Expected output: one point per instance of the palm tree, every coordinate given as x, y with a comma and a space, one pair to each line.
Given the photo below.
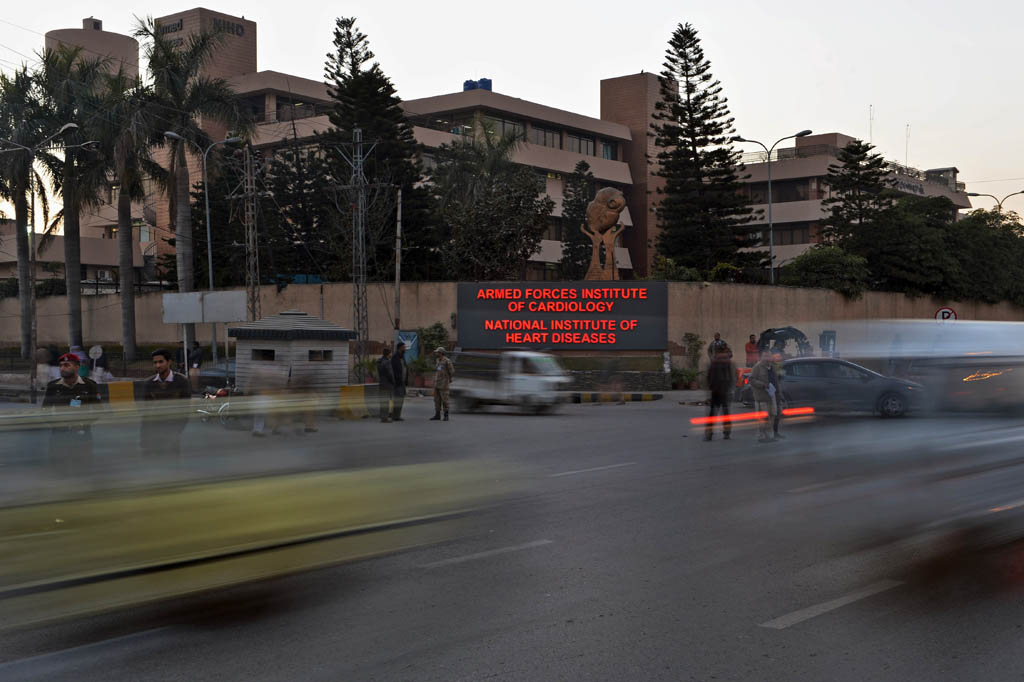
184, 94
128, 134
70, 85
20, 124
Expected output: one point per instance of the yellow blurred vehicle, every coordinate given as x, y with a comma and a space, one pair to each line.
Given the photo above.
72, 553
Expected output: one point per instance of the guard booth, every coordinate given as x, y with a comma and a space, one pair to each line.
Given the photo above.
291, 350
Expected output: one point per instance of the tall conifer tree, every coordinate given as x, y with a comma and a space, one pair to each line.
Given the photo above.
857, 197
576, 246
701, 212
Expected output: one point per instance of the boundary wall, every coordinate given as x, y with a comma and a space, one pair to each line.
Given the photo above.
735, 310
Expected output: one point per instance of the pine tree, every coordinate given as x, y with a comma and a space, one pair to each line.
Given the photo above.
365, 98
858, 197
576, 246
701, 211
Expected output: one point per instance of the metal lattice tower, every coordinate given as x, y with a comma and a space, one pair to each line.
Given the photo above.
252, 259
359, 312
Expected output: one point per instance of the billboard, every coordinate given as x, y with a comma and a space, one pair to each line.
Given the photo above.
563, 315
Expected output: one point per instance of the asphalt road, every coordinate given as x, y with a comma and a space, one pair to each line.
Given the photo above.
632, 550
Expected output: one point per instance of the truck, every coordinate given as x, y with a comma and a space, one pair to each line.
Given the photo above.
527, 380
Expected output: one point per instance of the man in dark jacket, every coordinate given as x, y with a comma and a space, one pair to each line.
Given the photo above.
401, 376
721, 376
385, 385
162, 426
73, 400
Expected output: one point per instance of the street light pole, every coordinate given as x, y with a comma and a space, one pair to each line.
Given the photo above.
999, 202
209, 240
771, 224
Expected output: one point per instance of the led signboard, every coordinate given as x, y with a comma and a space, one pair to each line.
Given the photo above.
563, 315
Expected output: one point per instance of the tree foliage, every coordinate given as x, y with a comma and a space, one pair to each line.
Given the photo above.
701, 211
365, 98
580, 188
858, 195
493, 218
828, 267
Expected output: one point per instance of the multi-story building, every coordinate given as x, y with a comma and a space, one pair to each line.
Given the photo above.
798, 188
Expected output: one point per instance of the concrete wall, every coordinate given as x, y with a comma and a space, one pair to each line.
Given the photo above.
735, 310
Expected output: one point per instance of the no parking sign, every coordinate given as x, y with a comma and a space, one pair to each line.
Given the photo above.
945, 313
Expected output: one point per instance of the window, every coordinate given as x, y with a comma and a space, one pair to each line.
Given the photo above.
580, 145
110, 232
609, 150
321, 355
792, 233
504, 127
145, 233
263, 354
554, 229
803, 369
545, 137
838, 370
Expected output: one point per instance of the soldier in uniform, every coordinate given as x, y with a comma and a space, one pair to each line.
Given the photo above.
401, 376
385, 385
73, 399
444, 372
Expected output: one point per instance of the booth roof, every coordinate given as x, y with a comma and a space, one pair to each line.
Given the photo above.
289, 326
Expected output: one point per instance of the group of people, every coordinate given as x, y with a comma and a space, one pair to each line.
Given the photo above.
75, 402
765, 384
393, 382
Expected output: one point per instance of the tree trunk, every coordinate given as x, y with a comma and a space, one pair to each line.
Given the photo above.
126, 268
21, 244
183, 230
72, 253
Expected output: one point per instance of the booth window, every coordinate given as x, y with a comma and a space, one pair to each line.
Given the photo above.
263, 354
321, 355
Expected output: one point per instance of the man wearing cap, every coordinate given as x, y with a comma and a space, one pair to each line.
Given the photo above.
73, 400
444, 372
401, 373
161, 428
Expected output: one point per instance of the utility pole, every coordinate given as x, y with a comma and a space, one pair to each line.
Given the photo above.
252, 258
359, 313
398, 269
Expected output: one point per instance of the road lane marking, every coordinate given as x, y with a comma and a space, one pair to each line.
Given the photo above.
790, 619
485, 555
584, 471
823, 484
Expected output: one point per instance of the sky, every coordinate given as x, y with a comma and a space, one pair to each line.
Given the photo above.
948, 70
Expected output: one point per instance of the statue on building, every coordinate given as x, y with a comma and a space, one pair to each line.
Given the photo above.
603, 220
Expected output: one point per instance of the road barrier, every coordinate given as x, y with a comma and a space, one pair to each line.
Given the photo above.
354, 401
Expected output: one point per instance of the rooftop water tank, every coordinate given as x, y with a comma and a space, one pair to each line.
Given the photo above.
468, 85
484, 84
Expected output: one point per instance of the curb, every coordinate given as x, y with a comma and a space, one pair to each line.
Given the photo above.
614, 397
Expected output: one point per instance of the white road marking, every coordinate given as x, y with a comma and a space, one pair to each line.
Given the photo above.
584, 471
484, 555
44, 666
823, 484
783, 622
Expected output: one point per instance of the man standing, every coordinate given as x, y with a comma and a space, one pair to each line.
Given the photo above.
764, 386
753, 354
717, 346
401, 377
162, 424
385, 385
444, 372
195, 361
720, 381
77, 398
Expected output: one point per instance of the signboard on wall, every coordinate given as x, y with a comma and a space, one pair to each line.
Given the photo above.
205, 306
563, 315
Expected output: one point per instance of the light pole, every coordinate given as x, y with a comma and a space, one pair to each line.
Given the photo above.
171, 135
999, 202
33, 333
771, 225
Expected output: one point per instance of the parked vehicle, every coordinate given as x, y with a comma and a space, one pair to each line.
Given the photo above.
838, 385
530, 381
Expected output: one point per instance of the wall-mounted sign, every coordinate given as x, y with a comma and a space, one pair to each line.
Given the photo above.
563, 315
172, 27
909, 187
225, 26
945, 313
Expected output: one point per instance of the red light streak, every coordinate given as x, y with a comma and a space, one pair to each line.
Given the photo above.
749, 416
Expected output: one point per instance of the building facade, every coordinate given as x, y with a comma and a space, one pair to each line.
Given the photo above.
799, 186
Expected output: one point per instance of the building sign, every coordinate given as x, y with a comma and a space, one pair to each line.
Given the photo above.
172, 27
908, 187
563, 315
225, 26
945, 313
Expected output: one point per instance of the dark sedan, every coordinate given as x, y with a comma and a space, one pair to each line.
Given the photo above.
828, 384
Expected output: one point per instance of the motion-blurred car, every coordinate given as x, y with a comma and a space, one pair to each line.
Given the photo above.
829, 384
524, 379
